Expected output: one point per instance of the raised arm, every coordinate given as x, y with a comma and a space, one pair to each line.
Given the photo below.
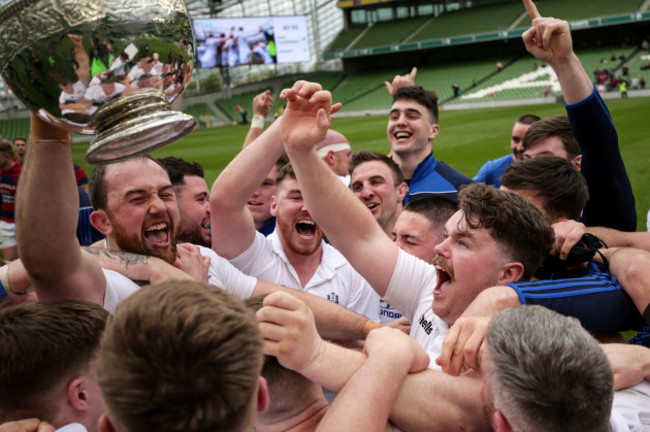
347, 223
233, 228
549, 40
46, 221
262, 103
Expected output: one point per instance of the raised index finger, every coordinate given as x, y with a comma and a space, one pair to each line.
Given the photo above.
531, 9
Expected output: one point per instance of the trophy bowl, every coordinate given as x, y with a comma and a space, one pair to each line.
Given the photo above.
112, 68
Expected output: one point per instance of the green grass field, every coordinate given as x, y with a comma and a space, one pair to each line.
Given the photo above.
467, 139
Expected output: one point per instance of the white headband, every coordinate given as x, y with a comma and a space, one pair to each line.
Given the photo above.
322, 152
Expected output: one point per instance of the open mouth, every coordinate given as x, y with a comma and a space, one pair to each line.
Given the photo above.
372, 205
402, 135
254, 203
445, 276
158, 234
205, 224
306, 229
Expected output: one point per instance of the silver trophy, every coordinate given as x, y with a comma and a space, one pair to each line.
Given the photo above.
112, 68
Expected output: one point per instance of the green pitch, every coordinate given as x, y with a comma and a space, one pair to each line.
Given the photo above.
467, 139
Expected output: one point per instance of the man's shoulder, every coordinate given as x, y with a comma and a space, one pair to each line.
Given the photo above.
453, 176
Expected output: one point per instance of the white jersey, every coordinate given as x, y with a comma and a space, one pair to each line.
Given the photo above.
209, 57
334, 279
227, 277
631, 409
411, 292
95, 93
243, 47
220, 273
78, 91
118, 288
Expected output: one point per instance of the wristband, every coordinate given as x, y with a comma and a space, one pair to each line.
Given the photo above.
5, 288
369, 326
257, 122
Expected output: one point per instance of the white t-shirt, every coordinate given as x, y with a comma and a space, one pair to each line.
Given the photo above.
631, 409
411, 292
334, 279
220, 273
227, 277
118, 288
78, 91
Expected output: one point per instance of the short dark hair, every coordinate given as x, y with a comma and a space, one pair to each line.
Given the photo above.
97, 184
285, 171
178, 168
556, 126
428, 98
6, 148
553, 179
437, 209
181, 356
528, 119
43, 344
369, 156
512, 221
19, 139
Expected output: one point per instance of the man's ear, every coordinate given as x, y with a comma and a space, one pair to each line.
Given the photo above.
104, 424
274, 206
99, 219
501, 423
263, 398
330, 159
435, 130
576, 162
78, 394
402, 190
511, 272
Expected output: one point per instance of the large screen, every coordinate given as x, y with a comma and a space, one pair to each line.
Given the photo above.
231, 42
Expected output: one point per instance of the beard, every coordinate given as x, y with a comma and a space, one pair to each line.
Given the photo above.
135, 243
192, 234
287, 230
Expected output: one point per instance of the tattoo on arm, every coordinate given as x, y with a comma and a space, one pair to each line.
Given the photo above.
124, 257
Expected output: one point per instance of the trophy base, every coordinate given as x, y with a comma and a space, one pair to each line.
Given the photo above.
135, 125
